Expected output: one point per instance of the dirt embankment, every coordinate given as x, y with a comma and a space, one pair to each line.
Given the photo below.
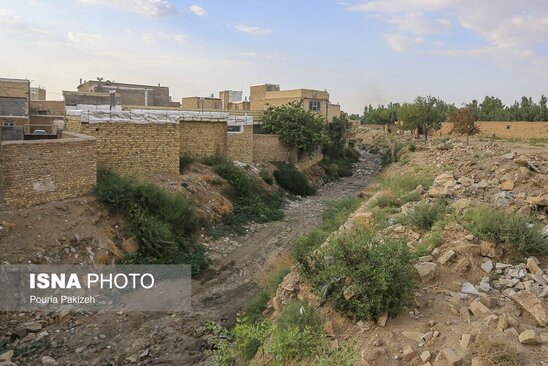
476, 301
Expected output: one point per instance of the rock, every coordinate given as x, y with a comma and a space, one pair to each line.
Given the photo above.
507, 185
508, 282
529, 337
487, 266
426, 356
468, 288
7, 363
446, 257
478, 308
349, 292
502, 324
399, 229
465, 314
452, 357
481, 184
502, 199
465, 181
381, 321
363, 220
48, 361
130, 245
444, 185
533, 305
426, 270
426, 258
63, 315
491, 250
502, 266
465, 341
6, 356
414, 336
509, 156
533, 265
462, 204
409, 353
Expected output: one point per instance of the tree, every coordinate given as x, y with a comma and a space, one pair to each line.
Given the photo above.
425, 113
298, 129
338, 133
464, 122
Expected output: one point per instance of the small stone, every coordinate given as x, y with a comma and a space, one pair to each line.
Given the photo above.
426, 356
409, 353
381, 321
426, 270
452, 357
446, 257
478, 308
509, 156
487, 266
491, 250
533, 266
468, 288
507, 185
503, 322
414, 336
470, 237
465, 314
508, 282
502, 266
63, 315
426, 258
48, 361
529, 337
6, 356
465, 341
533, 305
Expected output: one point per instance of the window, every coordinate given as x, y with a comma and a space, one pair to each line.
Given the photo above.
314, 105
9, 123
235, 129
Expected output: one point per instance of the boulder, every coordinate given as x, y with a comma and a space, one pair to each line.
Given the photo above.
426, 270
529, 337
491, 250
533, 305
507, 185
446, 257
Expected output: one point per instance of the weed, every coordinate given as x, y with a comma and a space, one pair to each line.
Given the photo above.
341, 355
364, 274
267, 177
184, 161
424, 215
511, 228
497, 353
293, 180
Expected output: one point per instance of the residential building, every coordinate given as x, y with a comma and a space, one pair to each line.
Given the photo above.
37, 93
265, 95
99, 92
14, 102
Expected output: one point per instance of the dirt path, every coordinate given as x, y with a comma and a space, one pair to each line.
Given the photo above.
218, 294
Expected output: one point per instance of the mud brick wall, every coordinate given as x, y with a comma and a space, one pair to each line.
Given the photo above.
40, 171
136, 149
519, 130
240, 145
269, 148
72, 123
203, 138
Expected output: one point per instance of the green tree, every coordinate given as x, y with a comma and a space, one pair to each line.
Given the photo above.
425, 113
298, 129
464, 122
338, 133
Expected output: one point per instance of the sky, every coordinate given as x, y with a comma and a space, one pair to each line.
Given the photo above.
361, 52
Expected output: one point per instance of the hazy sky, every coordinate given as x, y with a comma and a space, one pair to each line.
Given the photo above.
361, 52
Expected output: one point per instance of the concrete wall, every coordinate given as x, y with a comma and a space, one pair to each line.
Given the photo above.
129, 148
40, 171
269, 148
203, 138
240, 145
194, 103
520, 130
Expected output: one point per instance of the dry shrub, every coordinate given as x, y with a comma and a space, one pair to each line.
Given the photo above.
497, 353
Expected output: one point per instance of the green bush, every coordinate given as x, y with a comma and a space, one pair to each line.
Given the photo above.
337, 166
511, 228
424, 215
293, 180
162, 222
386, 199
252, 203
340, 355
296, 335
375, 272
334, 215
184, 161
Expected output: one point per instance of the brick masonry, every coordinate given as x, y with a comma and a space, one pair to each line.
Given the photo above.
240, 145
203, 138
136, 149
520, 130
269, 148
40, 171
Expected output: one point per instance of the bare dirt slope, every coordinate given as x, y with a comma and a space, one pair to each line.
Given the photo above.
218, 294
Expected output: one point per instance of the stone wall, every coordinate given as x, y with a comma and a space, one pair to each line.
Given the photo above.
307, 162
130, 148
73, 123
520, 130
203, 138
40, 171
269, 148
240, 145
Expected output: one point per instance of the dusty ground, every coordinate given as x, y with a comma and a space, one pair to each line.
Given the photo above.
160, 338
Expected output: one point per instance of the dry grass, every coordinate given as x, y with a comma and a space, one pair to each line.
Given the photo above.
497, 353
